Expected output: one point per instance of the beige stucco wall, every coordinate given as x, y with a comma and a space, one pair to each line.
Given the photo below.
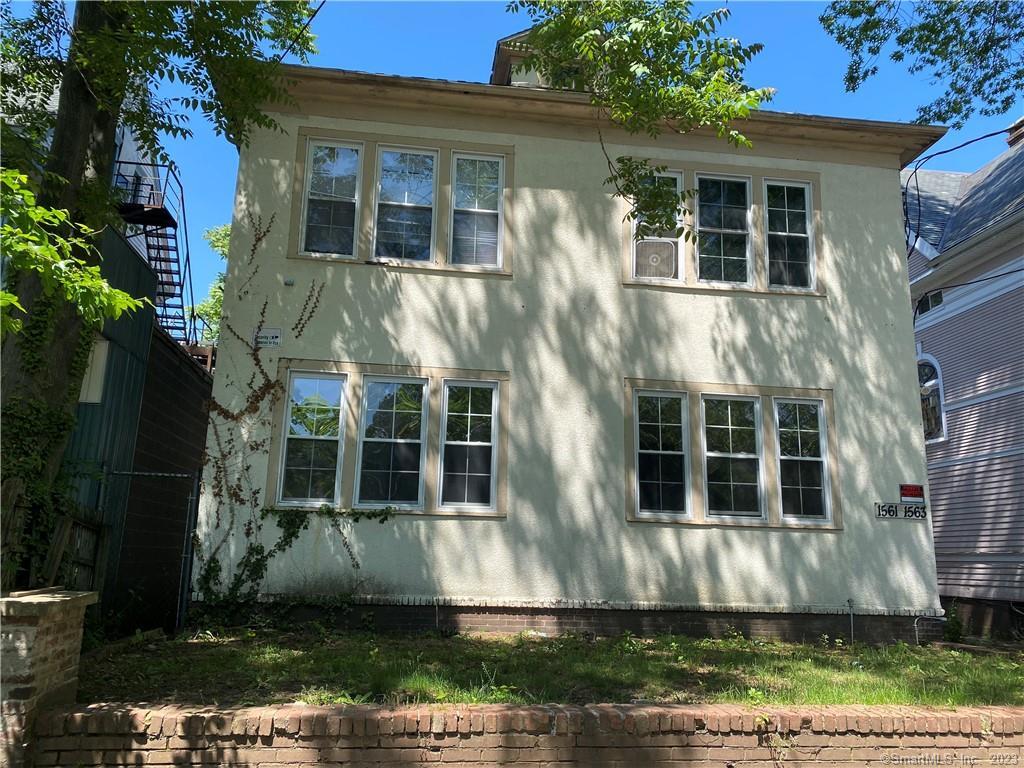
568, 332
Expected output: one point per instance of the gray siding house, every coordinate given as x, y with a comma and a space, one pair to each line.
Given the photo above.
966, 268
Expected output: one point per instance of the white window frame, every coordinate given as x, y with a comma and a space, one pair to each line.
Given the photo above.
456, 155
303, 373
750, 227
687, 513
811, 252
680, 249
826, 473
425, 417
495, 387
381, 149
923, 357
312, 142
710, 516
95, 378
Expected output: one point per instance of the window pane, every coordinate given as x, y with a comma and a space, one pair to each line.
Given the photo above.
333, 172
801, 462
660, 459
407, 178
389, 470
403, 232
789, 247
311, 449
466, 477
477, 183
734, 477
474, 238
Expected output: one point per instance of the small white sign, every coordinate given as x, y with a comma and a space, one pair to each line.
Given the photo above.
266, 337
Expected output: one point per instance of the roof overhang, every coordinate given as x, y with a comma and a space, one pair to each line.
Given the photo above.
310, 84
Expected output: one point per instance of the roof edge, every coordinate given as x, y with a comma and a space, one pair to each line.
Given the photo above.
910, 138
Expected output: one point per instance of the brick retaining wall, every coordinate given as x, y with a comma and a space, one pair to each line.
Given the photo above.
40, 640
604, 735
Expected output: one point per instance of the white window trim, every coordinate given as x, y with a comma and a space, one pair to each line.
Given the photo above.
456, 155
95, 378
302, 373
710, 516
811, 252
825, 469
687, 514
748, 180
312, 142
679, 242
381, 149
366, 380
495, 387
923, 357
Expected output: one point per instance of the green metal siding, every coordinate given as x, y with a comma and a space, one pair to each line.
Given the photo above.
103, 440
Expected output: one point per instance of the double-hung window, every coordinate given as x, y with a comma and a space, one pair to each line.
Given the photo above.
789, 240
313, 438
468, 450
656, 256
391, 442
476, 210
800, 425
332, 198
661, 452
723, 229
732, 455
405, 204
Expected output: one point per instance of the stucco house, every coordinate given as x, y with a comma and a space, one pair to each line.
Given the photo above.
576, 430
966, 234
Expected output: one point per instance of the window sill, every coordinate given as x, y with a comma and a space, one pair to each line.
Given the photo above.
759, 524
708, 289
409, 265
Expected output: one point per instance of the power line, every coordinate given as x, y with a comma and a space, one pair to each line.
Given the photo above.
926, 294
300, 33
918, 164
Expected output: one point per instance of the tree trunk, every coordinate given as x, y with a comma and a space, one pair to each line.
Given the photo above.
42, 367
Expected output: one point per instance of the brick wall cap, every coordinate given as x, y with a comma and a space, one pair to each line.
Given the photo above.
123, 719
45, 602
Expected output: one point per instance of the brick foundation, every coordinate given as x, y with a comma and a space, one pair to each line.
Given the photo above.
793, 627
40, 640
603, 735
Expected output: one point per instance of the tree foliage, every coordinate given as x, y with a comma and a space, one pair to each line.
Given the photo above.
648, 67
34, 241
209, 309
973, 49
159, 65
149, 68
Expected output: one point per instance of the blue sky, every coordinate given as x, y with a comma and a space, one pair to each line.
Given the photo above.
455, 40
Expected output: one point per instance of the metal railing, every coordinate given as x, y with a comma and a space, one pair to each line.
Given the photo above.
152, 201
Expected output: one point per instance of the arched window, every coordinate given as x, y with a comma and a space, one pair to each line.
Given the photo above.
930, 380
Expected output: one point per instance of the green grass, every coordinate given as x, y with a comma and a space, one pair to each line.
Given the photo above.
320, 667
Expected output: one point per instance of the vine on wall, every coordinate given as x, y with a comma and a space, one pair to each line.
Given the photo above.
234, 494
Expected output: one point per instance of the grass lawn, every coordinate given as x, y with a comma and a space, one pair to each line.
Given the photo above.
321, 667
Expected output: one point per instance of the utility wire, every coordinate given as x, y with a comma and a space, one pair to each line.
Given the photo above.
926, 294
300, 33
918, 164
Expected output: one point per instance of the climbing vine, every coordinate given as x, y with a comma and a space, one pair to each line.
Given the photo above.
235, 498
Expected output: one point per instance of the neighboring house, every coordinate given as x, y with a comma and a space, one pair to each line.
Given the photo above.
577, 431
967, 283
135, 452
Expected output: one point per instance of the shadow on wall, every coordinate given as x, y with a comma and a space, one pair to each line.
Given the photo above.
567, 326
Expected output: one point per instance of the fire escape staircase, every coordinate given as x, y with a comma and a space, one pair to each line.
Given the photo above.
152, 205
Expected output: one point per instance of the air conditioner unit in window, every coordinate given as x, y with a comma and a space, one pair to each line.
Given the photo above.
656, 259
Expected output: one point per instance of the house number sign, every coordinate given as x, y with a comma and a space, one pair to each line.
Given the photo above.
899, 511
